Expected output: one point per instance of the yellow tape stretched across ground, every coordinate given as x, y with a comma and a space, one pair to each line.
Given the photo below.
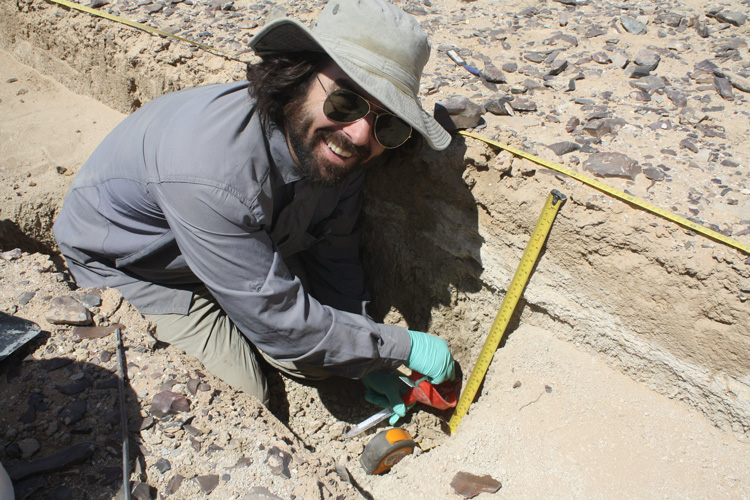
682, 221
715, 235
141, 26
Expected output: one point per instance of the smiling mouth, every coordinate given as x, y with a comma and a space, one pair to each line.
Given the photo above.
339, 151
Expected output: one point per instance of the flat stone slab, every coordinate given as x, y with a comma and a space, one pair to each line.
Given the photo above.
612, 165
14, 333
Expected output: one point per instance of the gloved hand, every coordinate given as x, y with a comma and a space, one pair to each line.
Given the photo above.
431, 357
384, 389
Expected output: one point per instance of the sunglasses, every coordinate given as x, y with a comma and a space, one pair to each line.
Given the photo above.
345, 106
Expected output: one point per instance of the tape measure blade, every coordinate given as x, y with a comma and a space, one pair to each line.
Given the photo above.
510, 301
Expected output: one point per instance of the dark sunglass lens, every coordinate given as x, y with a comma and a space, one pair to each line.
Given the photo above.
344, 106
391, 131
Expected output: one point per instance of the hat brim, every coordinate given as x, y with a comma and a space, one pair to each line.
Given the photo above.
289, 35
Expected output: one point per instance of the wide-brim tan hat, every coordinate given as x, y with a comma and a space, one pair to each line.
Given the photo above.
379, 46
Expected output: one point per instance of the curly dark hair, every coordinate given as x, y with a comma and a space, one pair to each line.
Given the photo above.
280, 81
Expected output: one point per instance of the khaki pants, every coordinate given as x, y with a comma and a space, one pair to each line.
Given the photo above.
207, 333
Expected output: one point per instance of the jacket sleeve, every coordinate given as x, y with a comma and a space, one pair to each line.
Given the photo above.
333, 268
226, 248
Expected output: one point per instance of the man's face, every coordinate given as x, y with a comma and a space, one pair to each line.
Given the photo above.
325, 150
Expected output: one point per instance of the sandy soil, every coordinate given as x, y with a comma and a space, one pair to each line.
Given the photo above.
552, 421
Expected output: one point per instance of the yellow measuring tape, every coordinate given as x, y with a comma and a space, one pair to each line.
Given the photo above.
512, 296
141, 26
619, 194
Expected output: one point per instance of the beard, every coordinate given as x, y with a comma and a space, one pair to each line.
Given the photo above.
304, 142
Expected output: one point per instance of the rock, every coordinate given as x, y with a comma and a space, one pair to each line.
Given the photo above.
278, 461
208, 483
163, 465
661, 125
56, 363
521, 104
564, 147
647, 59
654, 174
142, 491
243, 462
167, 386
193, 431
706, 66
633, 25
28, 416
66, 310
499, 106
195, 444
712, 130
458, 112
147, 423
635, 71
13, 450
192, 386
701, 27
557, 67
536, 56
677, 98
530, 84
28, 447
649, 84
620, 60
612, 165
37, 401
723, 88
73, 413
25, 298
27, 487
669, 18
603, 126
470, 485
70, 456
562, 37
174, 484
739, 82
72, 389
93, 332
90, 300
572, 124
687, 144
492, 74
510, 67
168, 402
601, 58
594, 32
732, 17
14, 254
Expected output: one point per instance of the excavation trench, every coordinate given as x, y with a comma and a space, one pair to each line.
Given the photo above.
444, 235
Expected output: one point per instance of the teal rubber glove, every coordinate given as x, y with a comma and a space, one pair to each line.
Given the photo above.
385, 389
431, 357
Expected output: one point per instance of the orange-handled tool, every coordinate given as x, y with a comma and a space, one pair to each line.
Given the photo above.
442, 397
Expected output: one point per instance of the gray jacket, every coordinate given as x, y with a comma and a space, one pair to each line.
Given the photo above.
191, 190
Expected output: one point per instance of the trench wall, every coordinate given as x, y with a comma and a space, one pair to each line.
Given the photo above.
443, 235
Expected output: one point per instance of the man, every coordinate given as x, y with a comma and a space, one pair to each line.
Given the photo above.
227, 214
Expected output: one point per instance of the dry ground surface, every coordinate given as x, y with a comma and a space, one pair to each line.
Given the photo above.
554, 418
